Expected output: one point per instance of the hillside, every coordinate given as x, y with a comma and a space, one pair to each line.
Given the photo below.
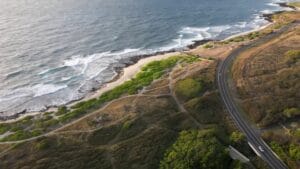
267, 80
136, 130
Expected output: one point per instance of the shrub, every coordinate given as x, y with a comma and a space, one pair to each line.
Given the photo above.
253, 35
237, 39
196, 149
205, 109
62, 110
42, 145
72, 114
208, 46
26, 120
188, 88
291, 112
35, 132
16, 128
18, 135
296, 133
237, 137
292, 56
4, 128
294, 151
126, 125
278, 149
50, 123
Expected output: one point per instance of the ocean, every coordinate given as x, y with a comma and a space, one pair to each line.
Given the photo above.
56, 51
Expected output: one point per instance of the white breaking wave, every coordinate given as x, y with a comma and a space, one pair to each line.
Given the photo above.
44, 89
188, 35
267, 11
35, 91
18, 100
90, 66
272, 4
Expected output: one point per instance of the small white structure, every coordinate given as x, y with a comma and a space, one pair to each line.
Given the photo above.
236, 155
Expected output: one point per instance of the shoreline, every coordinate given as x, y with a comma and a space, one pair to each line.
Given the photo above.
123, 75
127, 73
132, 67
247, 32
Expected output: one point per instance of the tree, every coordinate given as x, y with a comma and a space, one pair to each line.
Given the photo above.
196, 149
291, 112
294, 151
188, 88
237, 137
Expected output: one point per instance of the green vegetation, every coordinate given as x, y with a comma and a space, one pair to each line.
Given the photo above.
150, 72
208, 46
196, 149
291, 112
188, 88
61, 110
249, 36
20, 135
126, 125
294, 151
237, 137
42, 144
287, 151
294, 4
253, 35
4, 128
205, 109
238, 39
279, 150
285, 145
296, 133
291, 57
282, 19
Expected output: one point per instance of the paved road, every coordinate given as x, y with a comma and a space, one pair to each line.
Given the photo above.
254, 139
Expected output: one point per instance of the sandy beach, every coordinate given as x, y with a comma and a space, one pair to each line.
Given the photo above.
245, 33
127, 74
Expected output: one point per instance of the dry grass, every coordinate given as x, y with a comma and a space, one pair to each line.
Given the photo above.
266, 84
295, 4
